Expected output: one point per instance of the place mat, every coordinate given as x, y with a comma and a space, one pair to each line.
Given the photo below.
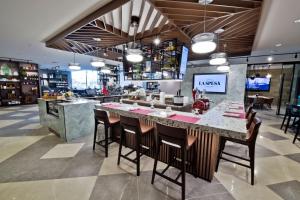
142, 111
234, 114
111, 105
184, 118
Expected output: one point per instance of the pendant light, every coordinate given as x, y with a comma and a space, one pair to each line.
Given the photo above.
204, 42
224, 67
97, 62
219, 58
134, 54
73, 65
269, 75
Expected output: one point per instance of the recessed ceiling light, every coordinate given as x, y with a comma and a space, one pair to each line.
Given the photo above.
297, 21
97, 39
270, 58
278, 45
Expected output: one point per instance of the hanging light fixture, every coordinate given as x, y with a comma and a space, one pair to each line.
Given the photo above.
224, 67
269, 75
105, 70
219, 58
156, 41
97, 62
73, 65
134, 54
204, 42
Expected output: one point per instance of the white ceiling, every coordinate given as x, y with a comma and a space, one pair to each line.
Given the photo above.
26, 24
277, 26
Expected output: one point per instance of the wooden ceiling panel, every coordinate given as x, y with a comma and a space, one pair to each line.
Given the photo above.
181, 19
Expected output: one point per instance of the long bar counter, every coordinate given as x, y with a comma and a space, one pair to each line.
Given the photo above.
208, 128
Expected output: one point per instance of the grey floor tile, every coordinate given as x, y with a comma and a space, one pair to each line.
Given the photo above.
272, 136
295, 157
287, 190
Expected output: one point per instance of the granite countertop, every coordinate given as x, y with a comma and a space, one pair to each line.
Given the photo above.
71, 102
211, 121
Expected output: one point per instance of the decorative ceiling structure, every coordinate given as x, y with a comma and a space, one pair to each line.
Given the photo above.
108, 28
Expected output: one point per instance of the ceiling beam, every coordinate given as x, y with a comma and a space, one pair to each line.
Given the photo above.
91, 17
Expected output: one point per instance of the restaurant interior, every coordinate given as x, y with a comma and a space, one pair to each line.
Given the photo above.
150, 99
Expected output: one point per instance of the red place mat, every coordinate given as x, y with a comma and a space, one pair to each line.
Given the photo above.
142, 111
234, 114
184, 118
111, 106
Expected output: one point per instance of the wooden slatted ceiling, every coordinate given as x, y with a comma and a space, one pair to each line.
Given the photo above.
181, 19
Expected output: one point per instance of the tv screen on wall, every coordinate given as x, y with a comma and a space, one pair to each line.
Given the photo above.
258, 84
183, 63
211, 83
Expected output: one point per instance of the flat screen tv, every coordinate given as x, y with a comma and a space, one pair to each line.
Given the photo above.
258, 84
183, 63
211, 83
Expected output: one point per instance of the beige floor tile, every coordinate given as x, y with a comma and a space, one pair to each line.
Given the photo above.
35, 118
9, 146
5, 123
20, 114
63, 151
30, 109
282, 147
242, 190
31, 126
2, 112
110, 166
58, 189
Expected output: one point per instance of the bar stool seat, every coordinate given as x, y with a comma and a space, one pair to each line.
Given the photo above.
190, 141
113, 120
250, 142
139, 130
146, 128
101, 117
176, 139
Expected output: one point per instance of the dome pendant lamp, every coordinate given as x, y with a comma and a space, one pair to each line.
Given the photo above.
204, 42
73, 65
134, 54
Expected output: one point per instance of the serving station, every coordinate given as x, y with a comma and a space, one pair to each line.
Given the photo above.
225, 119
69, 119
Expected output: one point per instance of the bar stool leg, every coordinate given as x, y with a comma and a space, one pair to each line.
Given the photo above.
138, 143
106, 141
283, 121
297, 133
252, 155
183, 168
120, 145
195, 161
156, 153
95, 134
288, 123
221, 148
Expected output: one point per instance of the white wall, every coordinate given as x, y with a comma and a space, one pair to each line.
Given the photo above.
235, 82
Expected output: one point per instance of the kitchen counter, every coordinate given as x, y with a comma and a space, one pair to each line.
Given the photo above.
207, 127
69, 119
212, 120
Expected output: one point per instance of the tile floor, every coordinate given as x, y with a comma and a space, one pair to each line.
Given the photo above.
36, 164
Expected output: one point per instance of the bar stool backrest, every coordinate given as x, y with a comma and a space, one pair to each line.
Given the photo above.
101, 116
250, 118
173, 136
253, 130
130, 124
250, 108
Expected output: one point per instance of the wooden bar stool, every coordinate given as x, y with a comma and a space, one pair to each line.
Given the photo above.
175, 138
101, 117
250, 142
249, 109
250, 118
133, 126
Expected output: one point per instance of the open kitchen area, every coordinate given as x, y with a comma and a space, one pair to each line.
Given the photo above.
150, 99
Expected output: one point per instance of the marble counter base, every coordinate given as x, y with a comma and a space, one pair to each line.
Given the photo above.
74, 119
